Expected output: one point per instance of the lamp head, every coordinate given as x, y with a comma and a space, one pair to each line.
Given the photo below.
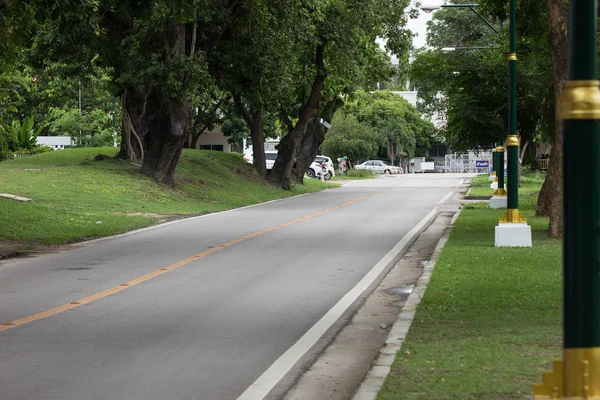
429, 8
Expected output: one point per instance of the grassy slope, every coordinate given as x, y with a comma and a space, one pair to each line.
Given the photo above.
71, 193
490, 321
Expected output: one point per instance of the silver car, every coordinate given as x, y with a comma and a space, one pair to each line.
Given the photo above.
379, 167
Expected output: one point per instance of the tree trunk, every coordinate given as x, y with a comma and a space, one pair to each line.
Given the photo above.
289, 144
307, 151
258, 143
168, 126
133, 125
194, 141
314, 137
550, 201
254, 120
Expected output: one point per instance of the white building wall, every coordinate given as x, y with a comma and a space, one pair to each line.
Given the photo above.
55, 142
214, 138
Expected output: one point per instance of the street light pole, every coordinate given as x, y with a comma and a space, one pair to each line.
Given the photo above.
471, 7
577, 376
512, 230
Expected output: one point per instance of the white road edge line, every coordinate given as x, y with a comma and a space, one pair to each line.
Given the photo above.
267, 381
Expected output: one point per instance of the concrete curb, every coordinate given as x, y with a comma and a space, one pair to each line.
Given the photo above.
373, 381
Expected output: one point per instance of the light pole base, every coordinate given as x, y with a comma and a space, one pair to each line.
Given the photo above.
492, 176
494, 186
577, 377
498, 202
513, 235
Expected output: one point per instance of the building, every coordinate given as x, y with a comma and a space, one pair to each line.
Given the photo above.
214, 140
56, 142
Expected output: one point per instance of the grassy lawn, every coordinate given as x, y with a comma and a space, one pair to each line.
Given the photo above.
75, 197
480, 186
489, 324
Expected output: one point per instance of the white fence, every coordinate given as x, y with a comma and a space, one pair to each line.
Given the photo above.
12, 156
458, 162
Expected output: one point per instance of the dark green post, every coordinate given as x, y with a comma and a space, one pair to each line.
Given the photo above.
500, 172
512, 214
494, 163
578, 375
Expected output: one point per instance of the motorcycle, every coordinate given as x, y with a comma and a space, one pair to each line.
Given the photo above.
319, 171
324, 173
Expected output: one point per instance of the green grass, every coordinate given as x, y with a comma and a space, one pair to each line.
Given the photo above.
75, 198
355, 174
489, 324
480, 186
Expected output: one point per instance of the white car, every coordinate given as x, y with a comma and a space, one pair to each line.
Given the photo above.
270, 157
315, 168
379, 167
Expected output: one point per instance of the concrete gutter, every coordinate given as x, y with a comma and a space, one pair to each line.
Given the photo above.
381, 367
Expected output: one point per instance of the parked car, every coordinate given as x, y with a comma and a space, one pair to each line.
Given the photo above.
379, 167
315, 168
270, 157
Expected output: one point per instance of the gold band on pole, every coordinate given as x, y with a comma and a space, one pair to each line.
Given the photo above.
580, 100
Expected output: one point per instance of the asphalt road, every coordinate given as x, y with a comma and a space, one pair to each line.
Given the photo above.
240, 288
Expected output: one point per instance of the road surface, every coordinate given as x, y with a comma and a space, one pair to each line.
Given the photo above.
213, 307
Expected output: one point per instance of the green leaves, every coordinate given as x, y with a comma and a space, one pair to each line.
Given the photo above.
22, 136
348, 137
470, 87
373, 121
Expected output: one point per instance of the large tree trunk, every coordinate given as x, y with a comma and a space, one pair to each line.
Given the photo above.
550, 201
307, 151
258, 143
168, 122
289, 144
133, 125
168, 126
313, 138
254, 120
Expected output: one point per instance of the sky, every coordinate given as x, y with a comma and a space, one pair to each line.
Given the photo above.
419, 28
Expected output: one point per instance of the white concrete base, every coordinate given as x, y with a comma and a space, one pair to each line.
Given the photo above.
494, 186
513, 235
498, 202
491, 177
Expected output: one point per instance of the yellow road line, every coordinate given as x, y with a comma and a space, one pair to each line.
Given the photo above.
86, 300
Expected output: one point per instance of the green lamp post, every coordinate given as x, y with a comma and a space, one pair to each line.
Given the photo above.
512, 214
500, 171
577, 376
494, 165
512, 229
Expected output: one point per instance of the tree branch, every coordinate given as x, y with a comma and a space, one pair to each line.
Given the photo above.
239, 105
312, 103
286, 119
194, 31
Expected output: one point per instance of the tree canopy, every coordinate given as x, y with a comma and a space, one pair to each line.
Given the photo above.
385, 121
469, 87
172, 68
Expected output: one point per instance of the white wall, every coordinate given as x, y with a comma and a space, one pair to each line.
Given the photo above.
56, 142
214, 137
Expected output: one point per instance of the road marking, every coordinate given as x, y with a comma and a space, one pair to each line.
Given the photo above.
86, 300
267, 381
